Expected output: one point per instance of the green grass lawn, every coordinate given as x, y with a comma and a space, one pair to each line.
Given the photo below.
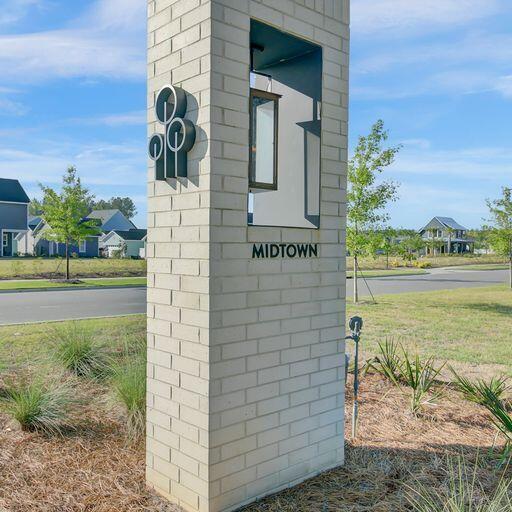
471, 325
379, 262
44, 284
51, 268
30, 343
388, 273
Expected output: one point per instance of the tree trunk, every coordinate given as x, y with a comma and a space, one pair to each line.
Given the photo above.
67, 260
387, 260
356, 295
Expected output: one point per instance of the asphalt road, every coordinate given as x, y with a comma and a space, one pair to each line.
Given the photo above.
436, 279
40, 306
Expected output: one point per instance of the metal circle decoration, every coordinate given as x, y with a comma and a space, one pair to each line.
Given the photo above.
169, 150
156, 146
181, 134
170, 102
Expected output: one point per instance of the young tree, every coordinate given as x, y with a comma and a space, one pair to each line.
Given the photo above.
410, 246
388, 243
124, 204
35, 207
65, 213
366, 199
500, 233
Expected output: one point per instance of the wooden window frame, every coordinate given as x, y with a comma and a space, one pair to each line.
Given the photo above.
258, 93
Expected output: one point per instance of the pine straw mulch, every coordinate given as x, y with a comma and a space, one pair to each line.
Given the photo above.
93, 469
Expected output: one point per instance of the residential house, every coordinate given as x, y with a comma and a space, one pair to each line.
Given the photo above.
447, 237
13, 215
111, 219
127, 243
34, 242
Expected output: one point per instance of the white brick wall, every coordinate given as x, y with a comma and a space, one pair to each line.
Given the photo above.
245, 364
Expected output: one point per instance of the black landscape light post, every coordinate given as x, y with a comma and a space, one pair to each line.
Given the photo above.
355, 325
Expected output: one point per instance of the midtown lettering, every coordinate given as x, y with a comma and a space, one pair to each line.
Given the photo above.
289, 250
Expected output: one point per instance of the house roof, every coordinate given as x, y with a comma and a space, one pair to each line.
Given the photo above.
443, 222
12, 191
33, 222
102, 215
450, 223
132, 234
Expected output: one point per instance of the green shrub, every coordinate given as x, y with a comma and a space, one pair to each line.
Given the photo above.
37, 405
421, 377
501, 418
78, 351
476, 391
422, 264
129, 384
463, 493
387, 362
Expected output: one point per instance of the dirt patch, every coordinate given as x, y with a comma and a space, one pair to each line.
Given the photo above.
94, 470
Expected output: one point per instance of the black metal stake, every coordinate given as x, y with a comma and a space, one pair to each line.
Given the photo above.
355, 325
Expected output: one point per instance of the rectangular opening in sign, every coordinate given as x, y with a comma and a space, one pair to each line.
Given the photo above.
263, 140
285, 129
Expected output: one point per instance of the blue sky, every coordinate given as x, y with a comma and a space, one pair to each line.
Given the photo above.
72, 91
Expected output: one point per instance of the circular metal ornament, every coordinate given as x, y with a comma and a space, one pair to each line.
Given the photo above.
156, 146
170, 102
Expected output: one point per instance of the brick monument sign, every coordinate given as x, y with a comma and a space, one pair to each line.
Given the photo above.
247, 119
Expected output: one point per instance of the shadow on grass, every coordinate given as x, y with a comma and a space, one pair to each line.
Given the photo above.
491, 307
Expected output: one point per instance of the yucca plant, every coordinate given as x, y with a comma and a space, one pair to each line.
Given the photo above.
387, 362
476, 391
501, 418
129, 385
464, 493
78, 351
38, 405
421, 378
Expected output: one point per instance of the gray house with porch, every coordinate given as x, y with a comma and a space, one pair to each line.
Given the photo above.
444, 235
13, 215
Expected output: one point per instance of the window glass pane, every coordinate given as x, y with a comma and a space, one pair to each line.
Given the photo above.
262, 145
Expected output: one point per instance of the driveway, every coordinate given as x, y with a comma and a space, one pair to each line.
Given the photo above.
40, 306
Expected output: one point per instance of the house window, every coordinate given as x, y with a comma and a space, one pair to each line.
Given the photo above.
5, 240
263, 140
81, 246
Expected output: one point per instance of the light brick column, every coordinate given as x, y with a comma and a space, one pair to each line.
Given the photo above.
245, 357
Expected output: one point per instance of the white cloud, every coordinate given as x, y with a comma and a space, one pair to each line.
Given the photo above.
405, 17
107, 41
12, 11
477, 164
504, 86
481, 47
133, 118
116, 165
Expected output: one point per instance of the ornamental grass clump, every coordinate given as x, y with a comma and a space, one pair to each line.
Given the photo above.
36, 405
78, 351
129, 385
463, 492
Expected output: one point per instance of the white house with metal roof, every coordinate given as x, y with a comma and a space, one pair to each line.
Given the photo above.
127, 243
446, 236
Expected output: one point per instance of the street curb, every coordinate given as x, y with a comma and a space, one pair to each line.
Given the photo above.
67, 288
